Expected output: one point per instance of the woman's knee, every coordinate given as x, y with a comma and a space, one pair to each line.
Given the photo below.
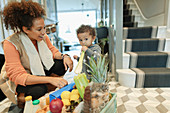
58, 68
37, 91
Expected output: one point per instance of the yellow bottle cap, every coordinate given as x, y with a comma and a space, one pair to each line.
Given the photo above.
28, 98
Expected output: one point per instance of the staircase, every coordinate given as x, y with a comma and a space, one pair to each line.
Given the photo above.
131, 15
146, 58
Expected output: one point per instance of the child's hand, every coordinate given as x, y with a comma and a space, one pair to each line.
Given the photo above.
84, 48
75, 57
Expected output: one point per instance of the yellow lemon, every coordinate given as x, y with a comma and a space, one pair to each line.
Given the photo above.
74, 92
74, 97
65, 95
66, 102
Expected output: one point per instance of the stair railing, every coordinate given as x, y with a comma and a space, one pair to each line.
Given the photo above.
142, 13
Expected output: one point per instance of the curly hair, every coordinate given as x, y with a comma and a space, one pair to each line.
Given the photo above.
19, 14
86, 28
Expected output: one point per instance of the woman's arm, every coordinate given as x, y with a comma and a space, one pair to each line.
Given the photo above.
57, 55
56, 81
17, 73
15, 70
54, 50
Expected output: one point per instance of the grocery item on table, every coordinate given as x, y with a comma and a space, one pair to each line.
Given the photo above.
81, 82
56, 105
45, 109
47, 99
65, 95
28, 104
36, 106
79, 66
42, 101
70, 99
57, 94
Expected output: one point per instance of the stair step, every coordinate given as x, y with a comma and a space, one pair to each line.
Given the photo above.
126, 6
128, 18
146, 44
144, 77
135, 11
155, 77
127, 12
151, 59
138, 18
125, 2
140, 32
129, 1
131, 5
130, 24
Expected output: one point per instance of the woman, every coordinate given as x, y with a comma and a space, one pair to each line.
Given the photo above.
31, 61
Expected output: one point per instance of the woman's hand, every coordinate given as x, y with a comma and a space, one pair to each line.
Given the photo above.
68, 62
58, 82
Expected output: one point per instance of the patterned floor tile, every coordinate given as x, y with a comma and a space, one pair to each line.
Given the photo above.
161, 108
121, 109
141, 108
148, 94
142, 99
132, 107
127, 112
166, 90
151, 108
166, 103
152, 98
165, 95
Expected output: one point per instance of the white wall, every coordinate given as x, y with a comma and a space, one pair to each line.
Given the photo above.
154, 11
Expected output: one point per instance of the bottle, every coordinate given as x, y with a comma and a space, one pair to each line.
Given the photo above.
42, 102
47, 99
28, 104
36, 106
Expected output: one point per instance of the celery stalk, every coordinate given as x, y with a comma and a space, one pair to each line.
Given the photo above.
81, 83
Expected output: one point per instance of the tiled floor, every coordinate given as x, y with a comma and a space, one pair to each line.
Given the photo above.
141, 100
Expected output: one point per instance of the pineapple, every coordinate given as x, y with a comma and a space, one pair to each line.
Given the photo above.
96, 94
99, 69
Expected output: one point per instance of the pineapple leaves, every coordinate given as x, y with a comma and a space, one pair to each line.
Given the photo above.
98, 69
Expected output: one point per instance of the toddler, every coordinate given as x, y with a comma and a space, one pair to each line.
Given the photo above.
86, 35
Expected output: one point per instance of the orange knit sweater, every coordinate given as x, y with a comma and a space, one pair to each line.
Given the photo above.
15, 70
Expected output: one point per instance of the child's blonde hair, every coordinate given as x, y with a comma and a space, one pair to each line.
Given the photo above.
86, 28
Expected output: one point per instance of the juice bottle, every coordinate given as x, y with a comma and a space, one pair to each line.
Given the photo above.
28, 104
47, 99
36, 106
42, 101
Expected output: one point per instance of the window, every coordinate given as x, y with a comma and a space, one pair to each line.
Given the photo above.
70, 21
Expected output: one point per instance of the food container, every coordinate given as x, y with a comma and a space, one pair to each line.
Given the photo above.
111, 107
57, 93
